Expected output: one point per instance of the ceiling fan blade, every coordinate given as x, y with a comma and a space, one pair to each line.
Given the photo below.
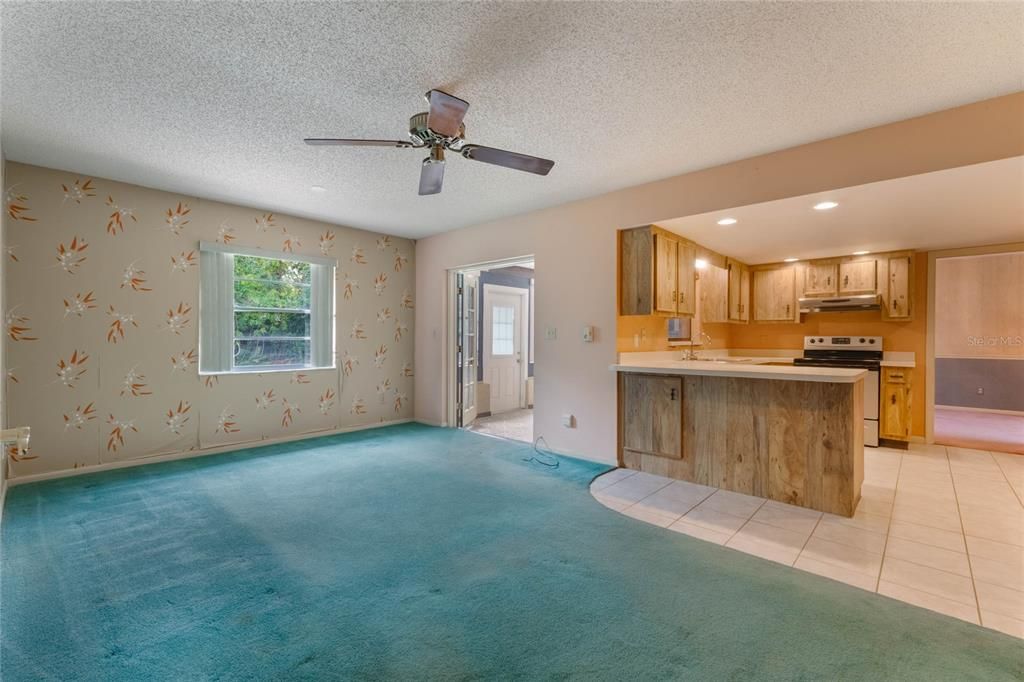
446, 113
431, 177
500, 157
333, 141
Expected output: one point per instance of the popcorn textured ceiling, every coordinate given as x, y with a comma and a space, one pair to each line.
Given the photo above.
213, 99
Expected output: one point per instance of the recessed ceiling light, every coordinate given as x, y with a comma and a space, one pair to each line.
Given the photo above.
791, 260
825, 205
700, 263
317, 188
727, 221
861, 253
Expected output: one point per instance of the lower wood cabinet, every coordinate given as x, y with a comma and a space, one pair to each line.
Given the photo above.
651, 414
896, 403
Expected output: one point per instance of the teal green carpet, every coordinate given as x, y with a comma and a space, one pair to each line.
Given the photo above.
412, 552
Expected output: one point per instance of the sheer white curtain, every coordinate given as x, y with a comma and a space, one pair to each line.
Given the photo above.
216, 296
321, 306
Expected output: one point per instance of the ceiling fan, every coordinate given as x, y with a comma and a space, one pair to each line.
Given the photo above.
441, 129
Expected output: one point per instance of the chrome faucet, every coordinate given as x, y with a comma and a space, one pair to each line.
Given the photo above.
690, 353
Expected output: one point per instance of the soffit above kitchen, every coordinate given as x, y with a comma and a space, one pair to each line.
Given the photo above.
213, 99
967, 206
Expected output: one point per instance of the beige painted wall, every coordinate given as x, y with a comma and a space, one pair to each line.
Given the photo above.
574, 249
75, 280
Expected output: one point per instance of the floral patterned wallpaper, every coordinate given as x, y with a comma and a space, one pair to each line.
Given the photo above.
102, 297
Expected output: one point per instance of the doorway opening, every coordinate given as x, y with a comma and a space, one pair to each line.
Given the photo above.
494, 348
979, 351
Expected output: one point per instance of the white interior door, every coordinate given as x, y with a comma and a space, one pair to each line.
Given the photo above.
469, 341
503, 346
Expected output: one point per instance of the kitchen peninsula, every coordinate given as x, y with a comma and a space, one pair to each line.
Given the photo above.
787, 433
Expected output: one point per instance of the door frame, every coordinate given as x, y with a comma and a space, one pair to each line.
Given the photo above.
929, 384
524, 331
448, 339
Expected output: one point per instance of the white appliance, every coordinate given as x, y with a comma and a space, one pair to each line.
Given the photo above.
857, 352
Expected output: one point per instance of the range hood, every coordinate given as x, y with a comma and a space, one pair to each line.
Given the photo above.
840, 303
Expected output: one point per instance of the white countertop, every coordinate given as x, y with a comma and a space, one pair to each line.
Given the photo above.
743, 368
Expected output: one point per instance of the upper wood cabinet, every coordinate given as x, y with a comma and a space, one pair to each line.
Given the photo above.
898, 286
714, 294
651, 410
739, 290
857, 277
656, 273
686, 299
666, 272
775, 294
820, 278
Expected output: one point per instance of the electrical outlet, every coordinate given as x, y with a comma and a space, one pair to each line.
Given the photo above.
568, 421
981, 391
551, 333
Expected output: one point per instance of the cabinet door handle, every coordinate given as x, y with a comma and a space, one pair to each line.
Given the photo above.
846, 281
828, 281
673, 396
892, 398
894, 304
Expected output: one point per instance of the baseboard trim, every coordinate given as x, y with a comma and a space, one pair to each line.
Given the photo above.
958, 408
189, 454
428, 422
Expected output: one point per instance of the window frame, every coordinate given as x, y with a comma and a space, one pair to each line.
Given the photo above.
329, 313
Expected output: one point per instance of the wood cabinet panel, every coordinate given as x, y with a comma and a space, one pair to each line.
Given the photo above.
858, 277
896, 403
820, 279
714, 294
651, 414
636, 413
796, 442
666, 272
739, 291
899, 287
686, 300
775, 295
666, 396
636, 272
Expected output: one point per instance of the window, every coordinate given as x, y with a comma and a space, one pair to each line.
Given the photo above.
262, 312
502, 330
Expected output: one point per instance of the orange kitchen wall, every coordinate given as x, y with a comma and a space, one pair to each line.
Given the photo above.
896, 336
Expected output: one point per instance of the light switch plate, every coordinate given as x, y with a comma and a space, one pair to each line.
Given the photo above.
588, 334
551, 333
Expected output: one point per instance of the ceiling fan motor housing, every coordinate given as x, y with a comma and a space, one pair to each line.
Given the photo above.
420, 132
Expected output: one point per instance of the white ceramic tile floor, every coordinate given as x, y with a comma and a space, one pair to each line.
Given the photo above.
938, 527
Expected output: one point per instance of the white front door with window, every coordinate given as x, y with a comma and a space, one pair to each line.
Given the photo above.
503, 346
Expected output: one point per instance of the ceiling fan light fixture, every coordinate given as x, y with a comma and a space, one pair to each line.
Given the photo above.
727, 221
825, 205
442, 128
